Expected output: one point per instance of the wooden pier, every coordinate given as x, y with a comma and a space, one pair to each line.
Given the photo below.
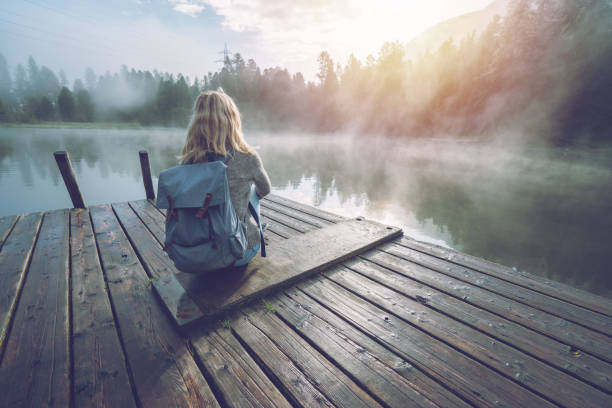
406, 324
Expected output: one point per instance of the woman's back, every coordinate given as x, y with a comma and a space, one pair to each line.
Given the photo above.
244, 169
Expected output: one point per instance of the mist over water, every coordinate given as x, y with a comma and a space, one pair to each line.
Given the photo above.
547, 211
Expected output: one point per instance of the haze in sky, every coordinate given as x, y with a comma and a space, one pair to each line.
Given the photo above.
187, 35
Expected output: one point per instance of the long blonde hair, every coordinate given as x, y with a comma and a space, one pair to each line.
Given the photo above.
215, 127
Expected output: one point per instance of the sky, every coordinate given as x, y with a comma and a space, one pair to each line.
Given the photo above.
188, 36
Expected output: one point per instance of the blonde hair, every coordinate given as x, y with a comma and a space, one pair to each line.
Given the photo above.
215, 127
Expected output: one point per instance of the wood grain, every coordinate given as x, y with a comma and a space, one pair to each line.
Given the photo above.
560, 329
391, 378
325, 215
235, 374
568, 311
35, 369
530, 372
582, 365
537, 283
151, 217
329, 380
100, 374
6, 226
297, 386
164, 371
14, 258
473, 381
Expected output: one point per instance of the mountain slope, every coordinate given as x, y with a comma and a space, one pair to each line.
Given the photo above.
455, 28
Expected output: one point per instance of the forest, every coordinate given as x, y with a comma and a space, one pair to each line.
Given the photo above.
542, 70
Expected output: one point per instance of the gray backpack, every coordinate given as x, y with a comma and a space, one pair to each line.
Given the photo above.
203, 232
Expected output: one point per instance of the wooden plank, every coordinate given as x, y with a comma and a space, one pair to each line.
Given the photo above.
236, 376
560, 329
164, 372
100, 374
289, 261
14, 258
474, 381
325, 215
394, 380
298, 215
297, 387
582, 365
568, 311
152, 256
280, 229
6, 226
151, 217
528, 371
537, 283
332, 382
35, 369
287, 221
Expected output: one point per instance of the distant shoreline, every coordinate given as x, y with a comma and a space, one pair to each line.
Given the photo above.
78, 125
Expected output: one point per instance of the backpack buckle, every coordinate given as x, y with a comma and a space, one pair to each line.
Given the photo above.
202, 210
171, 212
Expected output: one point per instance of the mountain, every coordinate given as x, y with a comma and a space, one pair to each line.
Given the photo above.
455, 28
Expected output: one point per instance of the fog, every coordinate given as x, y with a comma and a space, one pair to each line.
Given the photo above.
545, 211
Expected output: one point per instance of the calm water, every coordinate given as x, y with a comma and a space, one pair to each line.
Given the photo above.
548, 212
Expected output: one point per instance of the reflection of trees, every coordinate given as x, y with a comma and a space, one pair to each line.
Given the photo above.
112, 152
552, 222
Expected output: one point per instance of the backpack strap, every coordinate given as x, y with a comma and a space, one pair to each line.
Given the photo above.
254, 210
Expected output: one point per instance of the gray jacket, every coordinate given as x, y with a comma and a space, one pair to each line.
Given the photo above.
244, 170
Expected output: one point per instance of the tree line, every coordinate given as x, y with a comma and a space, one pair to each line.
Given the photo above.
543, 65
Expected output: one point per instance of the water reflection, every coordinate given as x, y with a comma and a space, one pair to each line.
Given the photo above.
547, 212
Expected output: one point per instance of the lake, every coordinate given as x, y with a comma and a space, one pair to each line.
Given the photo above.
544, 211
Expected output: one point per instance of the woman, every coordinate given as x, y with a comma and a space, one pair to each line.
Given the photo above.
216, 128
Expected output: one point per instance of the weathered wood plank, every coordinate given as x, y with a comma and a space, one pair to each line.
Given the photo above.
14, 259
476, 382
528, 371
289, 261
164, 372
100, 374
287, 220
582, 365
6, 226
152, 256
239, 379
298, 215
553, 326
35, 369
280, 229
326, 215
332, 382
296, 385
547, 287
394, 380
151, 217
578, 315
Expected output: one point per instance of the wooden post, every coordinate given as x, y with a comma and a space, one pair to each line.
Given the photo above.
65, 167
146, 174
